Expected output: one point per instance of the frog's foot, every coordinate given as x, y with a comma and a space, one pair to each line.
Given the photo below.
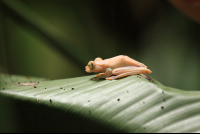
111, 78
100, 74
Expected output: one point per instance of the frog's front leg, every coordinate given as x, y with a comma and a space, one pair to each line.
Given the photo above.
107, 73
130, 70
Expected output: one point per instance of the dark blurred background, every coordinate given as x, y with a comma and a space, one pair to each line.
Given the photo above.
56, 38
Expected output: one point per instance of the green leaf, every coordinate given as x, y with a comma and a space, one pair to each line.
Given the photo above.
131, 104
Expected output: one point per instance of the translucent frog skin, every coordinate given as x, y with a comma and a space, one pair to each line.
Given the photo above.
119, 66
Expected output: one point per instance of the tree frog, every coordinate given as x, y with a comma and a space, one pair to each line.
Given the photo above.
116, 67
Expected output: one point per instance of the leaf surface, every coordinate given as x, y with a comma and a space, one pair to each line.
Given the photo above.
131, 104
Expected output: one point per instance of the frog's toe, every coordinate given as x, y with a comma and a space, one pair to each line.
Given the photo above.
111, 78
100, 74
108, 78
148, 71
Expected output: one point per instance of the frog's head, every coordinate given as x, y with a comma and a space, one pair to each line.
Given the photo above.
93, 67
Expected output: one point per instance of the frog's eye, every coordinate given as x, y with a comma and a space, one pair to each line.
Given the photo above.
91, 65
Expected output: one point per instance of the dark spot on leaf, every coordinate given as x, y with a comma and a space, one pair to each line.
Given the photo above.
18, 82
35, 87
3, 88
118, 99
51, 79
89, 111
38, 82
64, 89
164, 100
162, 107
45, 88
144, 128
144, 102
5, 82
127, 91
88, 100
30, 81
50, 101
60, 87
72, 88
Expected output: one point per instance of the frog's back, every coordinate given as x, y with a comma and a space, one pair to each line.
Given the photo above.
121, 61
116, 62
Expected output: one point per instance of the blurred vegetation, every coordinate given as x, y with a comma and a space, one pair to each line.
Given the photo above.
56, 38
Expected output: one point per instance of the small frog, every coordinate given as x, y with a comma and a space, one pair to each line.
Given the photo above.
119, 66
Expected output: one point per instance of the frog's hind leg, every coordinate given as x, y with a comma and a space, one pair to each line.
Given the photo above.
126, 71
119, 76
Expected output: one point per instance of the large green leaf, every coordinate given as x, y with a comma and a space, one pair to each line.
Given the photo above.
131, 104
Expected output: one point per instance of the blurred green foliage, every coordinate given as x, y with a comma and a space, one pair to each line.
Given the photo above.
56, 38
